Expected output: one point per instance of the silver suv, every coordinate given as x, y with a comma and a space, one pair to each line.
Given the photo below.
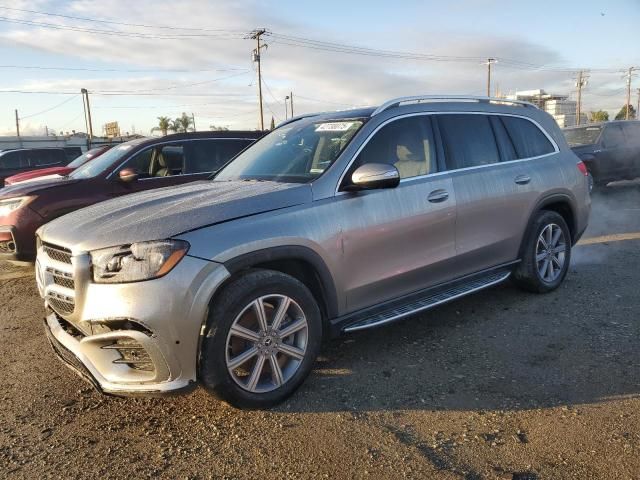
332, 223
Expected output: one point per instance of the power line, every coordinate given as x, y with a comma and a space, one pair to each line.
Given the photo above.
48, 109
118, 33
112, 70
112, 22
117, 93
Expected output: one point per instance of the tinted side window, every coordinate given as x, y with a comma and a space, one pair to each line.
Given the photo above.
631, 133
406, 143
140, 163
43, 158
612, 137
209, 155
468, 140
12, 160
527, 138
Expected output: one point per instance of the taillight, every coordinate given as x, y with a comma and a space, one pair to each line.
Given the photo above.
583, 168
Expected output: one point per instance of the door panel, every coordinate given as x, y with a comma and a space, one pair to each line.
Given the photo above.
396, 241
611, 157
493, 203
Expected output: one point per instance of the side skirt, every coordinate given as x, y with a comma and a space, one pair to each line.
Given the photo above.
396, 309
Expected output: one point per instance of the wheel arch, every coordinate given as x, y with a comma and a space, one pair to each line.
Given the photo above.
300, 262
560, 203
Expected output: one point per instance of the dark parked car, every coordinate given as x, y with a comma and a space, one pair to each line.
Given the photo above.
610, 150
134, 166
25, 159
66, 170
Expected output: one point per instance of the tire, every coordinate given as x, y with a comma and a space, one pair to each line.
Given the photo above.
531, 274
238, 306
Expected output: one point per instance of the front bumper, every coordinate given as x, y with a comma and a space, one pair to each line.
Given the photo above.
161, 319
21, 226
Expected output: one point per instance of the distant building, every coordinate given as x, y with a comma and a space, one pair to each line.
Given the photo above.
559, 107
51, 141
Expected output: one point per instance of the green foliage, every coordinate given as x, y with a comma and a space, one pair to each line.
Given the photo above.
182, 124
164, 125
599, 116
218, 129
622, 114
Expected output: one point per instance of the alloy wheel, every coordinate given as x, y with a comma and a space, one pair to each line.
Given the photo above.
551, 251
266, 343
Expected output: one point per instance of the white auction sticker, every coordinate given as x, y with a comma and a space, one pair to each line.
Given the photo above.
334, 127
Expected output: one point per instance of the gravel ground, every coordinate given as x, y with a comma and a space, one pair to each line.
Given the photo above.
503, 384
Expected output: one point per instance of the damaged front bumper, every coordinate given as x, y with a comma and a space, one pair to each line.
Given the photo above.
127, 339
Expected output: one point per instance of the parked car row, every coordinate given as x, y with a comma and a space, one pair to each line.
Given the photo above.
20, 160
130, 167
331, 223
59, 171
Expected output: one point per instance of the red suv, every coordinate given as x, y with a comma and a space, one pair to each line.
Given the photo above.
130, 167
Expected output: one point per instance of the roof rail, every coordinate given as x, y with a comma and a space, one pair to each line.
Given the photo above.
300, 117
439, 98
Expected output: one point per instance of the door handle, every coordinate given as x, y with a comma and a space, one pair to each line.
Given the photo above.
438, 196
522, 179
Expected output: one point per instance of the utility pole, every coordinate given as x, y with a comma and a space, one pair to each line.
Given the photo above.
85, 94
17, 124
193, 120
581, 82
255, 35
286, 107
490, 61
291, 102
629, 75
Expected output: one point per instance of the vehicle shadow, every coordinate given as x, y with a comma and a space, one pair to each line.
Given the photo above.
497, 350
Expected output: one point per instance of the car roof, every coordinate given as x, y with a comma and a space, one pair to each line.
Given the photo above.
602, 124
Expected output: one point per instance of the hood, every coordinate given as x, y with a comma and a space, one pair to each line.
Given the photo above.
167, 212
33, 187
21, 177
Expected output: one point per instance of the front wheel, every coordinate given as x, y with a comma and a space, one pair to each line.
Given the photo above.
546, 254
263, 335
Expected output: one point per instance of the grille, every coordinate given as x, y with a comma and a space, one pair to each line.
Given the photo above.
64, 282
58, 254
62, 304
132, 354
64, 279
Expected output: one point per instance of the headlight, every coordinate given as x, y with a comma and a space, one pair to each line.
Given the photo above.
9, 205
138, 261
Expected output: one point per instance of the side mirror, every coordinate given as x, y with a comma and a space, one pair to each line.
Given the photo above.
128, 175
373, 176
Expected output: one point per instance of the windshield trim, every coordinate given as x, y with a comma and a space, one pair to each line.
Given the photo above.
308, 120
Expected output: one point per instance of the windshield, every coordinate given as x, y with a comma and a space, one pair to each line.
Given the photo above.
104, 161
582, 136
84, 158
296, 153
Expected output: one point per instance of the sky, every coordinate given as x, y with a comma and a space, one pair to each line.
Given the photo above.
144, 59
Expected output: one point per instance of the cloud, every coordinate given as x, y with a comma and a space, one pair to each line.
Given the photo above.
320, 80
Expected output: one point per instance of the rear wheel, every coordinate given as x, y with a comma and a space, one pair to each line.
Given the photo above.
546, 254
263, 335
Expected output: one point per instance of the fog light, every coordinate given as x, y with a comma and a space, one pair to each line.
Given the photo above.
132, 354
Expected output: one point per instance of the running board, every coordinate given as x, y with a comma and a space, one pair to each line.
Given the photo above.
431, 298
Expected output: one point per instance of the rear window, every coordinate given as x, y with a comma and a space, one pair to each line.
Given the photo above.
468, 140
528, 140
582, 136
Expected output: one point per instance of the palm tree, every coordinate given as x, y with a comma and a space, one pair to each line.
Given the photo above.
183, 123
164, 125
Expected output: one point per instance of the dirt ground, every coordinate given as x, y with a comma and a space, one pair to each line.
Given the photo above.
502, 384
